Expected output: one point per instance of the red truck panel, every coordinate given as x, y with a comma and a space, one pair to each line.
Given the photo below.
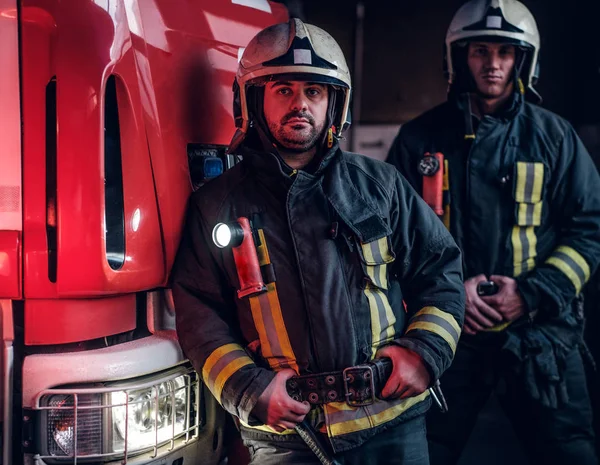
58, 321
174, 67
10, 265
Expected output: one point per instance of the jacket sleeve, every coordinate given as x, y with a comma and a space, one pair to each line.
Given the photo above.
205, 316
429, 268
574, 202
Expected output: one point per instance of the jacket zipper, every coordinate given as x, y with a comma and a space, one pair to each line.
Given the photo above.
313, 348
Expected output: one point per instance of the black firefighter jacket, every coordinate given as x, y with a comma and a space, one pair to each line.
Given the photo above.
342, 247
524, 199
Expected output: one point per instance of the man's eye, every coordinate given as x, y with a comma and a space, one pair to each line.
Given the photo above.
313, 92
283, 91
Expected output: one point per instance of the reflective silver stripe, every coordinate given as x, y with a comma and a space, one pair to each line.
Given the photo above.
435, 319
221, 364
433, 326
572, 264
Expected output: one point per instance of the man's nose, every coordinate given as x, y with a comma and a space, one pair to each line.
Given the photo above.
493, 61
299, 102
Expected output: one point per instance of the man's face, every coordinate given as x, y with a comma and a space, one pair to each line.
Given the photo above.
296, 112
491, 66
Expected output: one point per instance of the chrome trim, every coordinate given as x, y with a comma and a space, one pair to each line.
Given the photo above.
8, 359
173, 443
129, 360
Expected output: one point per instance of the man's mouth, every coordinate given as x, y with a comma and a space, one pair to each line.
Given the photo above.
492, 78
296, 120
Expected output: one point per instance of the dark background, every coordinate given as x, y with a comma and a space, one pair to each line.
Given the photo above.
402, 72
402, 76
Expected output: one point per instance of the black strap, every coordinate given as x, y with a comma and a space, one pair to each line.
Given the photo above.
352, 385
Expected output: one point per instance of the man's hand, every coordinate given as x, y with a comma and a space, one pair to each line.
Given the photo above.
276, 408
507, 301
409, 375
479, 314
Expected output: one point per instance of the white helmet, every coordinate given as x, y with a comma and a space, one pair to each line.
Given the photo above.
301, 51
507, 21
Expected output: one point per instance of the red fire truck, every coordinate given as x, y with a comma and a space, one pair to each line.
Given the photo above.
112, 110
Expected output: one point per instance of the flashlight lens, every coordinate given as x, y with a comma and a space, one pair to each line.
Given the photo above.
221, 235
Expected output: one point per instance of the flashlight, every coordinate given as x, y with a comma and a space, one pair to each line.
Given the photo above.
228, 234
238, 236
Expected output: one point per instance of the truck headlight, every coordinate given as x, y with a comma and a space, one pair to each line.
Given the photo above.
149, 416
61, 425
120, 419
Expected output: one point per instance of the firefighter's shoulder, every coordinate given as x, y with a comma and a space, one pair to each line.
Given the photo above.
366, 169
546, 125
431, 121
212, 194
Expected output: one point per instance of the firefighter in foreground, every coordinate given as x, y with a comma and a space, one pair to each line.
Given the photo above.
319, 250
521, 196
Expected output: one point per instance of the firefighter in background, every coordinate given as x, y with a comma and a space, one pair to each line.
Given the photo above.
340, 243
521, 197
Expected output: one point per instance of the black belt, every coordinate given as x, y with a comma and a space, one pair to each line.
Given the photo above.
357, 386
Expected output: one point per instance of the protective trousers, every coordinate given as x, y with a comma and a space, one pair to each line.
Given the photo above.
404, 444
548, 436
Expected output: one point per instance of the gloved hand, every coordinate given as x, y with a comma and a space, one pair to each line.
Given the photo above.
543, 363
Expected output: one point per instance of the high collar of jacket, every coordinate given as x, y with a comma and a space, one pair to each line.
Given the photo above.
265, 160
511, 108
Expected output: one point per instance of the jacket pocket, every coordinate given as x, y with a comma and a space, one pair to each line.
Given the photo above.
374, 257
528, 192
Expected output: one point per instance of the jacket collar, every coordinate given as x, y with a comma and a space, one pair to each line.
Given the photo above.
265, 160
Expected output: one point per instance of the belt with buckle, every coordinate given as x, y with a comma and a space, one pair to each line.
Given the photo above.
357, 386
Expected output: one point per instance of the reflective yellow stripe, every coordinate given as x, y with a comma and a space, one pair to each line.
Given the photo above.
435, 329
577, 258
384, 250
535, 209
382, 247
436, 321
439, 313
567, 270
234, 357
361, 419
268, 320
268, 429
572, 264
524, 254
446, 187
259, 324
262, 251
521, 179
517, 251
375, 321
382, 318
538, 182
226, 373
274, 339
367, 253
532, 249
500, 327
446, 180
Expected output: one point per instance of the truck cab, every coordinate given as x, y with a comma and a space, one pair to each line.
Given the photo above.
113, 111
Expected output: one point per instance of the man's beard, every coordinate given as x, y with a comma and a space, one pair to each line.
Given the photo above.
301, 143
